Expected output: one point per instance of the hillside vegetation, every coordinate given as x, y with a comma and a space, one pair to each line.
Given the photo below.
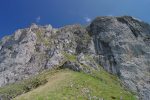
70, 85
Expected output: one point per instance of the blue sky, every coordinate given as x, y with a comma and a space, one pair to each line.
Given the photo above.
15, 14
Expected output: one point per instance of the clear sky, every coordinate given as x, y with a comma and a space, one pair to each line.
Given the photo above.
16, 14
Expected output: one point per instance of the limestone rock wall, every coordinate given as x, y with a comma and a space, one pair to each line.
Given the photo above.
122, 44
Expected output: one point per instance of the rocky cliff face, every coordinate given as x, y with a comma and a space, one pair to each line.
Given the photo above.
32, 50
119, 44
122, 44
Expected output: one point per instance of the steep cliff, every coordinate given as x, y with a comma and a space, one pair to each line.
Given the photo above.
122, 44
119, 44
32, 50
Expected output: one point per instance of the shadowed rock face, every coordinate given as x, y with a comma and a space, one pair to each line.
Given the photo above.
120, 44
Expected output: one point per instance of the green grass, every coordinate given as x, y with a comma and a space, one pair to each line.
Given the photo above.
19, 88
69, 85
24, 86
62, 84
10, 47
39, 35
41, 39
70, 57
1, 42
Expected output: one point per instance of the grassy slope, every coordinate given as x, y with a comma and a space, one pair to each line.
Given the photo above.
69, 85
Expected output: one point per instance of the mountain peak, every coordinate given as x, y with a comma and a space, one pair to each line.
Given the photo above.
119, 44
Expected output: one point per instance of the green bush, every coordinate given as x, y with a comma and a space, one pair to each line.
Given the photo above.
70, 57
10, 47
1, 42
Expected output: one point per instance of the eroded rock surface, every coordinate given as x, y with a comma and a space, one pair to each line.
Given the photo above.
120, 44
32, 50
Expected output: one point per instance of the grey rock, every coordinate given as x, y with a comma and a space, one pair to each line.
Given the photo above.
87, 61
31, 50
83, 63
72, 65
4, 97
120, 44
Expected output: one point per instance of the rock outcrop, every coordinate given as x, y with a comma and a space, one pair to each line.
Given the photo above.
29, 51
120, 44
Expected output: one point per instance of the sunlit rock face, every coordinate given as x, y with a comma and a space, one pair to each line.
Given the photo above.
31, 50
122, 44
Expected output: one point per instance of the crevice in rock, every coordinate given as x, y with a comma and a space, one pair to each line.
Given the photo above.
135, 32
